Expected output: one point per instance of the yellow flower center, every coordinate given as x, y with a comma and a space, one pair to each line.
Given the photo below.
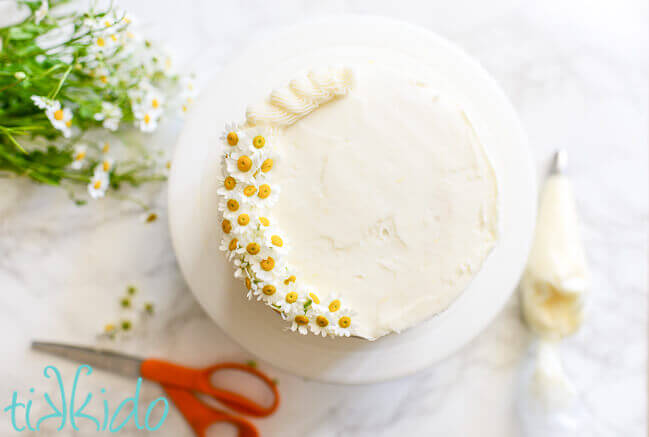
68, 123
258, 141
334, 306
250, 190
267, 264
229, 183
276, 240
244, 163
269, 290
321, 321
107, 23
253, 248
267, 165
314, 298
301, 320
243, 219
232, 138
106, 147
226, 226
105, 165
155, 103
233, 205
147, 118
344, 322
264, 191
103, 79
233, 244
113, 37
289, 280
248, 283
291, 297
58, 114
80, 156
97, 185
168, 165
264, 221
100, 42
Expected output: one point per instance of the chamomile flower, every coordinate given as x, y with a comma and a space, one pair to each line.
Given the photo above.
267, 195
231, 134
110, 116
320, 322
98, 184
275, 241
300, 322
266, 268
233, 246
188, 91
293, 301
146, 121
105, 165
41, 12
79, 156
61, 118
343, 322
256, 140
242, 166
44, 102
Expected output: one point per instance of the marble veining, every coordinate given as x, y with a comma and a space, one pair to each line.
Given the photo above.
577, 74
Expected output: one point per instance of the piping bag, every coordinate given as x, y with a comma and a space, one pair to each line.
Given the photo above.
553, 291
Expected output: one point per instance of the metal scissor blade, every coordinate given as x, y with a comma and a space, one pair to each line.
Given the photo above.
125, 365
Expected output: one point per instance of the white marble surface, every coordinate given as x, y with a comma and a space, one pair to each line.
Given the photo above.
576, 72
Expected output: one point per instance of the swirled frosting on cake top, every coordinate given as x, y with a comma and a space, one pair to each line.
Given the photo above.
388, 201
302, 96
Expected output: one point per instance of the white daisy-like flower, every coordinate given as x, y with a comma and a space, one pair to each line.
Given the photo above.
267, 195
44, 102
231, 134
110, 116
231, 202
293, 301
61, 118
188, 91
320, 321
232, 246
106, 164
41, 12
299, 322
242, 166
79, 156
266, 268
274, 239
98, 184
146, 121
343, 322
256, 140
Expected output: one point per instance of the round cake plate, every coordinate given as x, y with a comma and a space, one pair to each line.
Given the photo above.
193, 214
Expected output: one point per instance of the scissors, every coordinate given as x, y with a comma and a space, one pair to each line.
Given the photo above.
179, 383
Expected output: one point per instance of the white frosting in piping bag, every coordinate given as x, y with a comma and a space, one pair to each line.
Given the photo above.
556, 277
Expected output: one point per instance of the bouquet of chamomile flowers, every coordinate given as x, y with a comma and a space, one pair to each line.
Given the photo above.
70, 83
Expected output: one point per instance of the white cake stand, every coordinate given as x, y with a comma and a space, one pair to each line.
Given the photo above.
194, 220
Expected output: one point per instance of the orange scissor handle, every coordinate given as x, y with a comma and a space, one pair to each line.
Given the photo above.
199, 380
201, 416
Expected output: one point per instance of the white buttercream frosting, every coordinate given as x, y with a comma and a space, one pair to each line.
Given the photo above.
302, 96
388, 198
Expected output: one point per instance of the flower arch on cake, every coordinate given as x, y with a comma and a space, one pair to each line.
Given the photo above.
253, 241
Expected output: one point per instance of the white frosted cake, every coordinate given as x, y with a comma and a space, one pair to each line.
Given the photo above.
356, 200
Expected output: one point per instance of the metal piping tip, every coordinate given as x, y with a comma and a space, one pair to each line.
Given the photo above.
560, 162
